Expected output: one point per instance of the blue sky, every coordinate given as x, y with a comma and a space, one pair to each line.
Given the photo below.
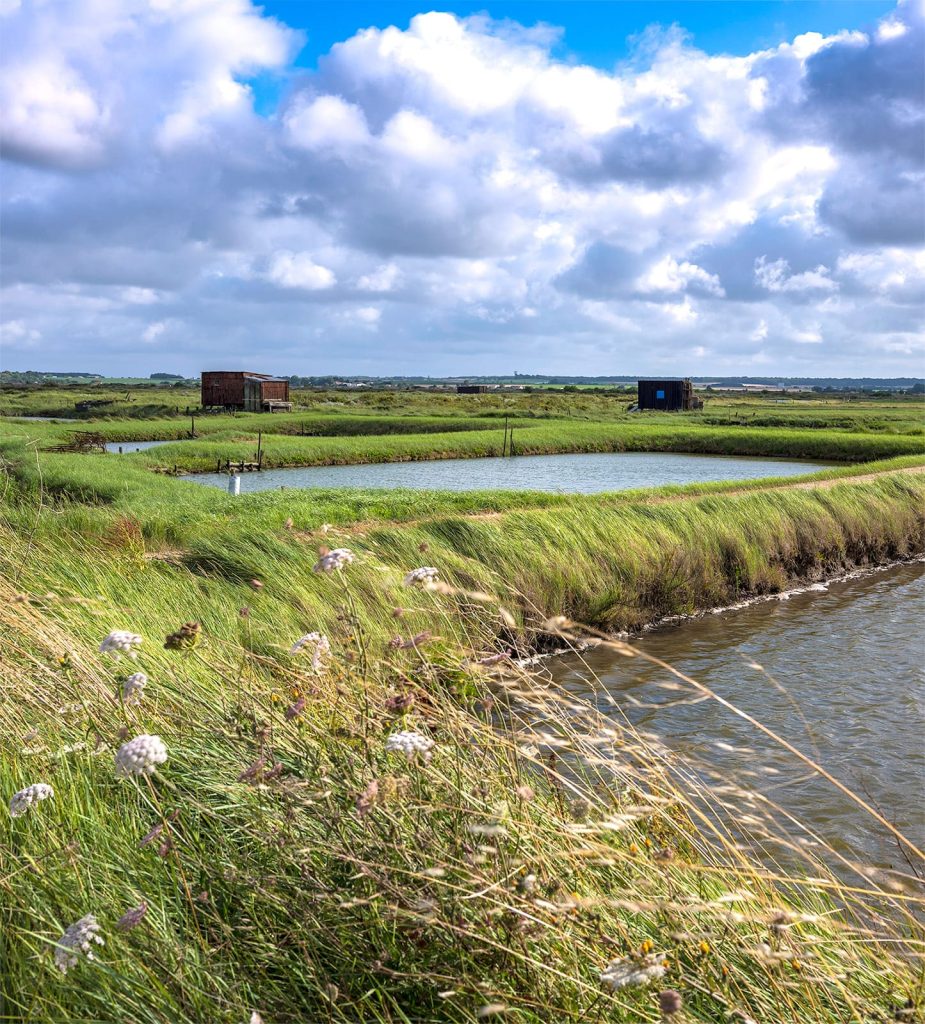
595, 32
457, 191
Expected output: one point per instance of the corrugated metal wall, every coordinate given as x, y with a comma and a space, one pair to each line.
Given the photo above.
240, 390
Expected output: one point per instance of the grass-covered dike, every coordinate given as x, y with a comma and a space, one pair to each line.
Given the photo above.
401, 823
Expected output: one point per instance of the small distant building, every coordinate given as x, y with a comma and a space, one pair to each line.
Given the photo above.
241, 390
471, 389
674, 395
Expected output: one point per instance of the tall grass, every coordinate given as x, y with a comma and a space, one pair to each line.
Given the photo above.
299, 870
289, 865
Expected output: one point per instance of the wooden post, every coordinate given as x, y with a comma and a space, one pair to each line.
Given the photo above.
504, 445
511, 447
259, 448
192, 421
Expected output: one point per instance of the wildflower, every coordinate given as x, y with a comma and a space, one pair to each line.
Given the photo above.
493, 659
368, 799
627, 971
119, 642
256, 585
336, 559
252, 771
158, 829
669, 1002
21, 802
186, 636
133, 687
410, 744
424, 576
79, 938
132, 918
140, 756
580, 808
294, 710
399, 704
526, 883
401, 644
320, 648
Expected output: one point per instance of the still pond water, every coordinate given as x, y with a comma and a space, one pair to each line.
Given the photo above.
127, 447
851, 659
580, 474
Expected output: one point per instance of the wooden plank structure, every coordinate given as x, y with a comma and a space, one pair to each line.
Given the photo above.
82, 441
669, 395
244, 391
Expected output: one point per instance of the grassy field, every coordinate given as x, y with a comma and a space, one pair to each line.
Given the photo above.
282, 861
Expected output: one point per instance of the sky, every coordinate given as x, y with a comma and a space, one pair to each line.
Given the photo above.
542, 187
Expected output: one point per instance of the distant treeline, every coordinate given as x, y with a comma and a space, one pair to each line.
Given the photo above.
914, 384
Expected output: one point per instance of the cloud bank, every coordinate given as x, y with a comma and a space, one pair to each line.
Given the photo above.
449, 198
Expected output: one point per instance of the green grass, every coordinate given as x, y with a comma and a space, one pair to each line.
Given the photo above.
274, 894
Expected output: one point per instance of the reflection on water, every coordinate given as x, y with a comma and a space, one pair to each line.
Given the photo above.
579, 474
842, 679
126, 447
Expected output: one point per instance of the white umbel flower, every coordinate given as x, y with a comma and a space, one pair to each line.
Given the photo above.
120, 641
78, 939
140, 756
335, 559
627, 971
422, 577
21, 802
410, 744
319, 645
133, 687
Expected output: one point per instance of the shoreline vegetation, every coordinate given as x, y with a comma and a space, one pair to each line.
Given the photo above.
360, 808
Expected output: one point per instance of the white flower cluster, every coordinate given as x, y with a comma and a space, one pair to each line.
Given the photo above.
120, 641
79, 938
133, 687
320, 648
626, 971
335, 559
140, 756
25, 798
424, 576
410, 744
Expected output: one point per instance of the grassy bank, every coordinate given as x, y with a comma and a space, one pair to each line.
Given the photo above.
300, 870
202, 455
288, 864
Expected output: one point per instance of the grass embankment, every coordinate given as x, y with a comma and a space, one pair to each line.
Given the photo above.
545, 439
299, 870
202, 455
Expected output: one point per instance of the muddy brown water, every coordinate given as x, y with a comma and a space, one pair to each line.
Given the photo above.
842, 678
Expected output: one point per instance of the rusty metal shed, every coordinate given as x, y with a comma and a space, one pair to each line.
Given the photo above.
245, 391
